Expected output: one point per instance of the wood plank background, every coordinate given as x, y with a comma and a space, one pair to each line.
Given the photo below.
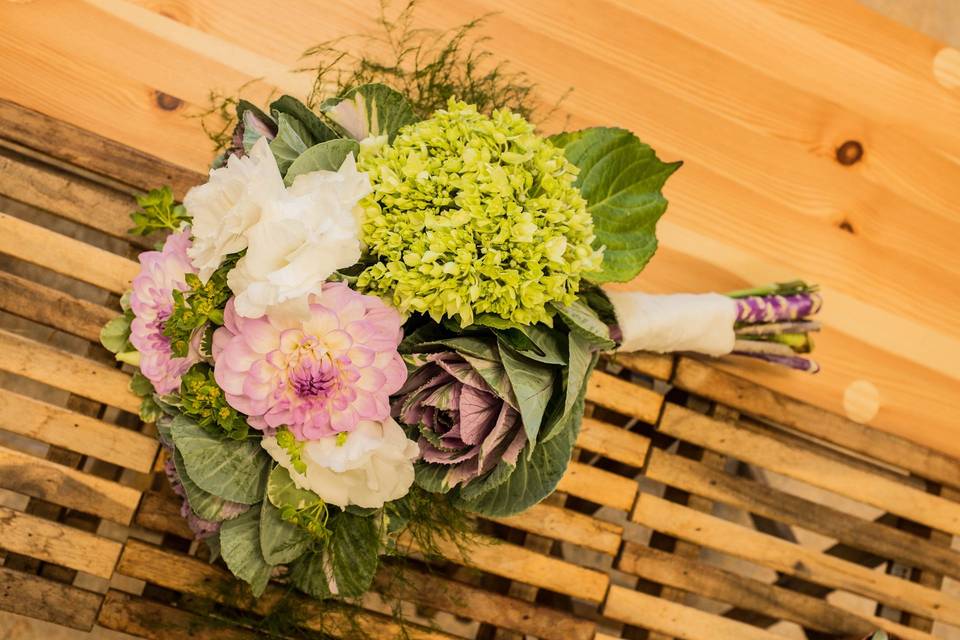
756, 96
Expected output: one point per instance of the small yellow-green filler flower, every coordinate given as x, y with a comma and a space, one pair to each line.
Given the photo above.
473, 214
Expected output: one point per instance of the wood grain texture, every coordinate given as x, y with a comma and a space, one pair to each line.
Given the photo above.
76, 432
30, 595
818, 470
755, 96
57, 543
676, 620
67, 487
68, 371
44, 248
793, 559
764, 500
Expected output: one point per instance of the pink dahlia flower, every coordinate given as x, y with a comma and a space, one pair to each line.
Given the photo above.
152, 303
318, 376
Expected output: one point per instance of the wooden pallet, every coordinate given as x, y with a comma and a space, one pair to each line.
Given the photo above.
698, 506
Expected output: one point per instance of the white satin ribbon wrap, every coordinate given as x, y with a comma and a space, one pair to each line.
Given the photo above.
702, 323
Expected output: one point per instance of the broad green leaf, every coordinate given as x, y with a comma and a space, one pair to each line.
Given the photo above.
232, 469
355, 549
532, 384
282, 492
561, 416
537, 342
281, 542
535, 477
291, 141
370, 110
476, 488
476, 347
584, 321
431, 477
150, 410
240, 547
312, 573
621, 178
581, 364
140, 385
316, 128
494, 374
326, 156
115, 334
213, 544
204, 504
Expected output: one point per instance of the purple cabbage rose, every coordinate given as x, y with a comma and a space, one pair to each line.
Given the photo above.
464, 424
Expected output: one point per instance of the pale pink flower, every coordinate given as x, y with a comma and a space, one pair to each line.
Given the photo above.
317, 376
161, 272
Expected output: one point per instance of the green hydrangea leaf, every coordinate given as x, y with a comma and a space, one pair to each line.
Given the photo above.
585, 322
621, 178
291, 141
535, 477
532, 384
240, 547
326, 156
204, 504
355, 550
115, 335
282, 492
316, 129
370, 110
235, 470
281, 542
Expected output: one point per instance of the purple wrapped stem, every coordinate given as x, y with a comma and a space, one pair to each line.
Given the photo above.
755, 309
793, 362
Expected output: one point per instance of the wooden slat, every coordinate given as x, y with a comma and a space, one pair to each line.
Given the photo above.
63, 370
161, 512
655, 365
783, 604
569, 526
793, 559
766, 501
624, 397
91, 151
56, 543
821, 471
64, 255
76, 432
146, 619
676, 620
40, 478
68, 196
52, 308
196, 577
749, 397
526, 566
485, 606
597, 485
613, 442
29, 595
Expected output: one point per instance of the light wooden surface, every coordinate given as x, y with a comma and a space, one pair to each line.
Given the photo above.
755, 96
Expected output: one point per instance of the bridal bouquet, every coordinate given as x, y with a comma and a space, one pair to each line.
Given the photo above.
368, 314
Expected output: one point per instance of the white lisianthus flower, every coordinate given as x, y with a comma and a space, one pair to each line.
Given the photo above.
366, 467
231, 202
303, 236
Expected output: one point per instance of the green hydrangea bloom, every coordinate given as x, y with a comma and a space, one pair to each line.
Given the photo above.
473, 214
